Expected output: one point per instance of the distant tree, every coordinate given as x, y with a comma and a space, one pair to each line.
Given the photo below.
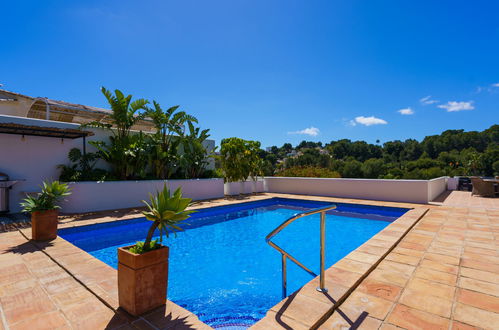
352, 169
373, 168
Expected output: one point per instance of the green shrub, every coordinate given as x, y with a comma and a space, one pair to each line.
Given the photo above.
308, 172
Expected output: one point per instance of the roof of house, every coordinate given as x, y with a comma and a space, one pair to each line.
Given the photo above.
66, 111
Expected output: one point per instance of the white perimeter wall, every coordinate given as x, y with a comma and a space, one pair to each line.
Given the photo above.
111, 195
411, 191
436, 187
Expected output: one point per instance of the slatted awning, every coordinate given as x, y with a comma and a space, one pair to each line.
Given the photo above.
61, 133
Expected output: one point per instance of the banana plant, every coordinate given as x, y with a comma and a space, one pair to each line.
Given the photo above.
194, 153
169, 129
123, 152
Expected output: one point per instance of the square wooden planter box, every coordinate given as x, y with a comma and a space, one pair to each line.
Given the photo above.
142, 279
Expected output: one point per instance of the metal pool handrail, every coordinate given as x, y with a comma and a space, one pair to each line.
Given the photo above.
286, 255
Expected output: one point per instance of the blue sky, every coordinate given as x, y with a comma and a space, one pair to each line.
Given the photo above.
273, 71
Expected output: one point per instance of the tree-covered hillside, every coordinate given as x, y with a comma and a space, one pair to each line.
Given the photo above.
454, 152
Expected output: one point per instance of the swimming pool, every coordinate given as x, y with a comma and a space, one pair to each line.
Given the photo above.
222, 270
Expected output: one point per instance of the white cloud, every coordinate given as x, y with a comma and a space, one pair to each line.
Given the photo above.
453, 106
427, 100
368, 121
406, 111
312, 131
492, 88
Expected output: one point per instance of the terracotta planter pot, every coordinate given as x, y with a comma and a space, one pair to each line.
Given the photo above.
142, 279
44, 225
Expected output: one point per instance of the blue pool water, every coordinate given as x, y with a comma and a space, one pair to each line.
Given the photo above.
222, 269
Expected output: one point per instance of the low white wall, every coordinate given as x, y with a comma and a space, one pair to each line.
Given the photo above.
248, 187
436, 187
410, 191
111, 195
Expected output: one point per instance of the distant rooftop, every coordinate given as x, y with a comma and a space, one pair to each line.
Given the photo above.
20, 105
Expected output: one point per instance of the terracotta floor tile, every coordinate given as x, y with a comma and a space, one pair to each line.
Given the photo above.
164, 316
340, 320
396, 266
445, 251
380, 243
435, 265
408, 252
372, 249
99, 320
55, 275
410, 318
479, 300
388, 326
14, 273
379, 289
441, 258
478, 245
482, 251
16, 287
479, 275
403, 259
61, 285
477, 264
335, 291
87, 307
435, 275
363, 257
413, 246
358, 303
71, 296
434, 305
302, 308
461, 326
276, 321
431, 289
48, 321
369, 323
476, 317
480, 286
481, 257
142, 324
389, 276
352, 266
26, 304
341, 276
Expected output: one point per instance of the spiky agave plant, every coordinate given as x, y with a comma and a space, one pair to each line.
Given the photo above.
52, 192
166, 211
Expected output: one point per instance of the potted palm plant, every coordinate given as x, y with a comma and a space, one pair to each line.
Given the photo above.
44, 209
143, 267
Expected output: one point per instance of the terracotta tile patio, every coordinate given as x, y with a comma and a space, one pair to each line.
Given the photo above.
435, 267
450, 287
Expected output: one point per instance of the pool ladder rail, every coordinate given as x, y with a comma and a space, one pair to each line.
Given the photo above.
285, 255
